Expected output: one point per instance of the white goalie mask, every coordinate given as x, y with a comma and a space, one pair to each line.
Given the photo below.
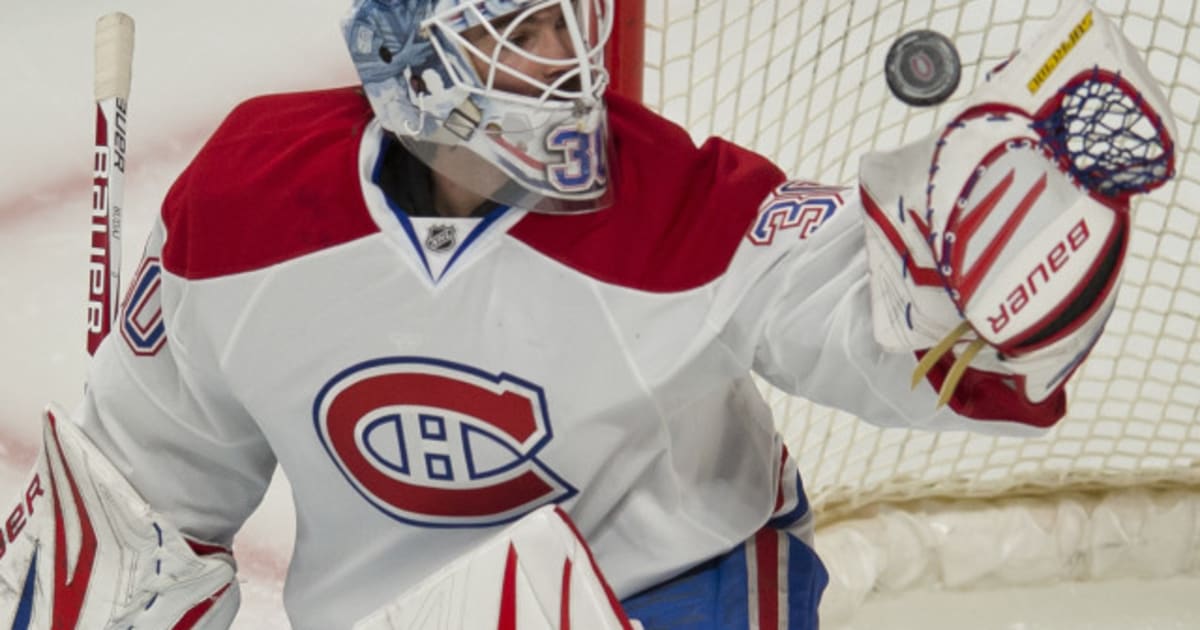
461, 85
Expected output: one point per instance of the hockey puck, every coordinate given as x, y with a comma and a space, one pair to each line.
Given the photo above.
923, 68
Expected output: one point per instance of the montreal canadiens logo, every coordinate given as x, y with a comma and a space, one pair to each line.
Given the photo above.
439, 444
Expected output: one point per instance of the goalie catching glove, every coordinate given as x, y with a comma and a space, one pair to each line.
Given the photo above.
82, 551
995, 244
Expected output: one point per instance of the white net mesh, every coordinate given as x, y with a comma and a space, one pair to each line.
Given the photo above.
801, 81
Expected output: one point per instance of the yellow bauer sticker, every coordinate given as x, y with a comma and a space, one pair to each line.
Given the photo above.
1060, 53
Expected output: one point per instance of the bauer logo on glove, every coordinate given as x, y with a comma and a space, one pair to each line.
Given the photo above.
1005, 231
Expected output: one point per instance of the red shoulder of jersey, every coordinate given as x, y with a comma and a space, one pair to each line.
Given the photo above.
277, 180
679, 211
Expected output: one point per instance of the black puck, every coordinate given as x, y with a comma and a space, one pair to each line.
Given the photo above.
922, 68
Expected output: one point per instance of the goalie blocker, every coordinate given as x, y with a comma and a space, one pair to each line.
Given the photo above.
81, 551
996, 243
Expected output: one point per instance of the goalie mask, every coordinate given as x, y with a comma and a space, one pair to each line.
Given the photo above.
452, 80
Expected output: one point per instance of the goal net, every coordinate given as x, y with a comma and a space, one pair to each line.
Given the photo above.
1109, 492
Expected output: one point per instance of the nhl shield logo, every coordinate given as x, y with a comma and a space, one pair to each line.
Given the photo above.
441, 238
439, 444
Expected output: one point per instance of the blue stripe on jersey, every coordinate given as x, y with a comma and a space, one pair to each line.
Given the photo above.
412, 237
411, 231
399, 212
483, 225
794, 515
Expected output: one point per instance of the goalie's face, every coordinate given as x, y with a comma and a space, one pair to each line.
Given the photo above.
534, 54
502, 96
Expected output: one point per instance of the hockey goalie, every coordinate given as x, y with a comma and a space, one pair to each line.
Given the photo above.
498, 328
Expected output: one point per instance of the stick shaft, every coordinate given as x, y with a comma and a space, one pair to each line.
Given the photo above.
114, 65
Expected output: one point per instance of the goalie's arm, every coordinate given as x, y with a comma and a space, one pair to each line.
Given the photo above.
158, 407
993, 247
173, 445
805, 320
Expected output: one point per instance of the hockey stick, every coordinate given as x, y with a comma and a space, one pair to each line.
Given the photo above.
114, 68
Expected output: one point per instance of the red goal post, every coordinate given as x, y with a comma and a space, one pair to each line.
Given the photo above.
801, 81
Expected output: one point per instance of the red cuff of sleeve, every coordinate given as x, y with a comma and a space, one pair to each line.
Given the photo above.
990, 396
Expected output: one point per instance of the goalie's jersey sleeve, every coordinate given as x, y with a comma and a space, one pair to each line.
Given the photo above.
423, 382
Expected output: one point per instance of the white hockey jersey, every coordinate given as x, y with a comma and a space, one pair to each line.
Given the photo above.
423, 382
